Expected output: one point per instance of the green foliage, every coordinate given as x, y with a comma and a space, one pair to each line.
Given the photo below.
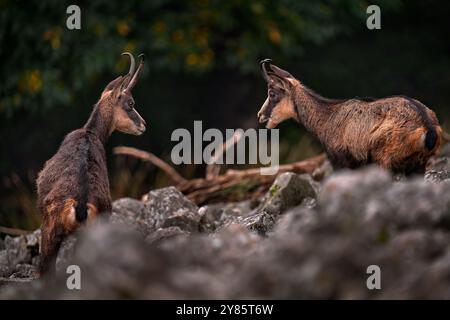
45, 65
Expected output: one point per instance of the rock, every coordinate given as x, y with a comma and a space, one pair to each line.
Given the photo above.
16, 252
65, 253
215, 216
288, 190
371, 196
261, 222
165, 233
114, 262
130, 212
24, 271
168, 207
439, 163
291, 246
445, 150
33, 239
6, 269
219, 216
235, 242
322, 172
437, 176
346, 186
296, 220
160, 208
438, 169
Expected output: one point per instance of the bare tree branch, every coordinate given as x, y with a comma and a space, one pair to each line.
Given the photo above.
13, 231
236, 185
147, 156
213, 169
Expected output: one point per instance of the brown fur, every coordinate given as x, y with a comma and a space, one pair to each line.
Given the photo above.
389, 131
73, 186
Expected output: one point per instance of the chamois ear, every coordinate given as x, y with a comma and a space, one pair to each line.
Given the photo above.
276, 76
279, 82
280, 72
285, 77
114, 84
112, 87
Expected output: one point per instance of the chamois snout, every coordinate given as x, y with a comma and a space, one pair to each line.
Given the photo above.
140, 125
264, 113
128, 120
276, 109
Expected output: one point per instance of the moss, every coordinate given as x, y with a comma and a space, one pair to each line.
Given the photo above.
274, 189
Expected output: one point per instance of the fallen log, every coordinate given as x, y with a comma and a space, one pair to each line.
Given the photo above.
233, 185
237, 185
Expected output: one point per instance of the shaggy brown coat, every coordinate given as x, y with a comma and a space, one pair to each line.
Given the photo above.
73, 186
398, 133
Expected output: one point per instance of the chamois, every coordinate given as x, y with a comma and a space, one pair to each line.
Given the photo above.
398, 133
73, 187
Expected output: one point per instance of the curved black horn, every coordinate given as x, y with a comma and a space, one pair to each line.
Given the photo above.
264, 70
136, 74
132, 63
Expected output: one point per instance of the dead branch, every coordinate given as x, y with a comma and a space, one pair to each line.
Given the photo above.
213, 169
148, 156
234, 185
13, 231
237, 185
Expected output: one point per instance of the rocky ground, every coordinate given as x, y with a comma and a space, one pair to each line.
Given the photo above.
304, 239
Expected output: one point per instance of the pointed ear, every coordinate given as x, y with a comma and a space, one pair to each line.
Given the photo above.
283, 76
275, 75
114, 84
112, 87
278, 82
282, 82
280, 72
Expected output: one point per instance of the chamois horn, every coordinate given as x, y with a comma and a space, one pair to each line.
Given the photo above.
263, 68
136, 74
132, 63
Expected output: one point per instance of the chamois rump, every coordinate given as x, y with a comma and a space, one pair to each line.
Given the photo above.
398, 133
73, 187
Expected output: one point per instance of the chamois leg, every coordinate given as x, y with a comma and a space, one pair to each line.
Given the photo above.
50, 243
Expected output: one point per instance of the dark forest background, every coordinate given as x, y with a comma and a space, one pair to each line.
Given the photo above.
202, 64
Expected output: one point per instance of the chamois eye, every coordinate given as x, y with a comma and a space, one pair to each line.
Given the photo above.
130, 104
272, 95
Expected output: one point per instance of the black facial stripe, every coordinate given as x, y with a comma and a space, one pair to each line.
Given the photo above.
134, 117
269, 108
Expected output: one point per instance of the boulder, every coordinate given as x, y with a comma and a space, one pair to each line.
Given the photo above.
371, 196
215, 216
20, 252
161, 208
168, 207
438, 170
288, 190
293, 245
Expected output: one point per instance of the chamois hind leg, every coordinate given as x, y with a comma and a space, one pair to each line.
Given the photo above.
52, 232
50, 242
